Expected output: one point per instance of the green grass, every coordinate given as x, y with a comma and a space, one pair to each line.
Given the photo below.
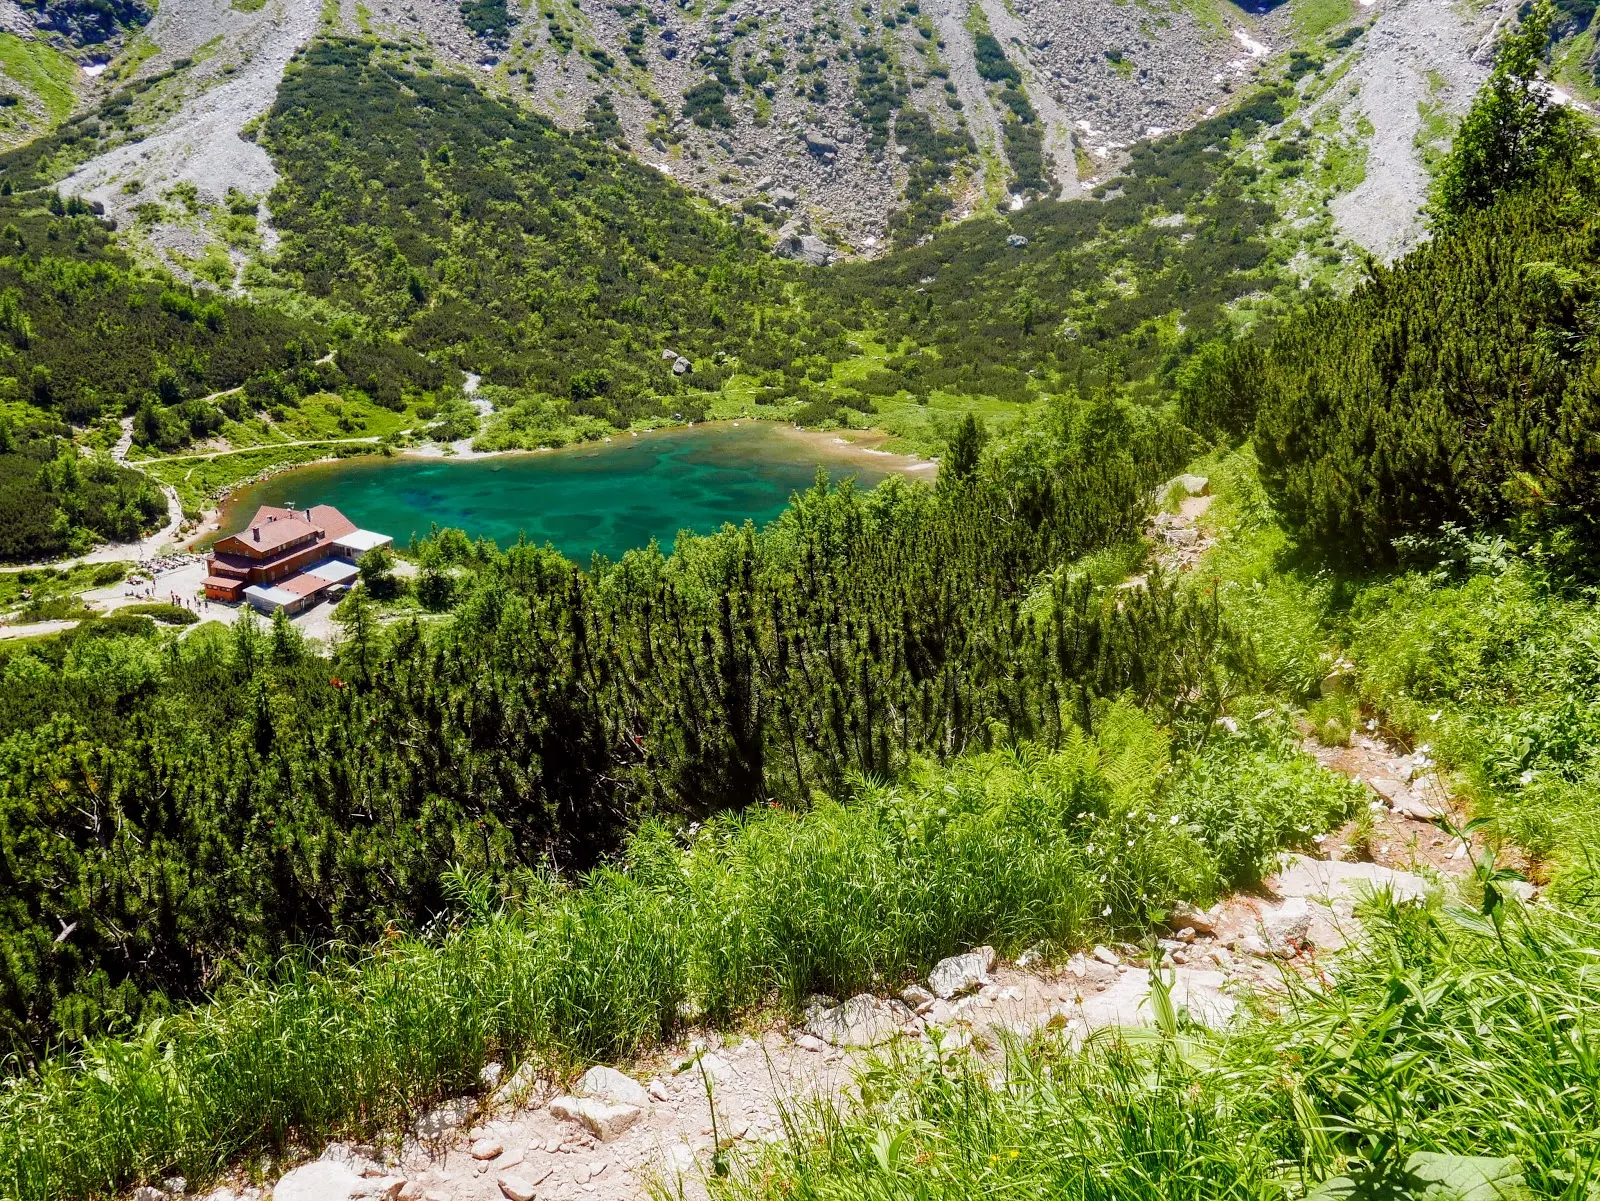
1483, 651
1452, 1048
201, 481
1568, 59
337, 425
1212, 15
1313, 19
1008, 848
47, 582
43, 71
324, 416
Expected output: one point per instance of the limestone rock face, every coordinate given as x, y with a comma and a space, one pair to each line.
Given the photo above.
450, 1116
516, 1188
918, 999
795, 243
1184, 915
516, 1087
1335, 880
862, 1021
326, 1180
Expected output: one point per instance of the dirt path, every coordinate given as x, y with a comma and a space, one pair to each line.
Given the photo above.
613, 1137
37, 629
244, 450
660, 1127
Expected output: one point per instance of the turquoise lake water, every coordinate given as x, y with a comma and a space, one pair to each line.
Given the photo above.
605, 497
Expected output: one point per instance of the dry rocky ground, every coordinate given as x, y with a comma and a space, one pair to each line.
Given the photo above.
1421, 58
815, 146
614, 1136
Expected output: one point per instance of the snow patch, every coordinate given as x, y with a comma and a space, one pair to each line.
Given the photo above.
1252, 47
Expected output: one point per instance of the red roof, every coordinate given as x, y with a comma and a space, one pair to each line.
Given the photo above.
272, 530
301, 584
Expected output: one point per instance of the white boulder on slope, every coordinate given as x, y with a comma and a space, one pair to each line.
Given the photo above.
961, 973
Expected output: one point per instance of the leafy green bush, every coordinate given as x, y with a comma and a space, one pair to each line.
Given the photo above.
496, 240
1444, 389
165, 613
1249, 796
487, 18
523, 422
53, 501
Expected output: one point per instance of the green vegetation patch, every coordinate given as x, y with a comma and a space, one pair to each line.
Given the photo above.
1008, 847
471, 229
39, 70
1072, 295
55, 502
653, 686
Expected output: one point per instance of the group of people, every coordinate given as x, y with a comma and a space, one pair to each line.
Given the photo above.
148, 592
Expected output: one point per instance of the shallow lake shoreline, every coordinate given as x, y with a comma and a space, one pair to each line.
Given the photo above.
846, 447
860, 444
600, 496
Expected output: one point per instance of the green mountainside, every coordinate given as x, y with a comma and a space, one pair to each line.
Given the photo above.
469, 229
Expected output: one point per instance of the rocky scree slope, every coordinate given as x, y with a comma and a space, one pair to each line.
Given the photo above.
844, 129
831, 117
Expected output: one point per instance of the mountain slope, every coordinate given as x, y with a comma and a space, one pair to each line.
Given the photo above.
839, 129
467, 226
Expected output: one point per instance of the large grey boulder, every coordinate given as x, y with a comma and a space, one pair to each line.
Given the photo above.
1335, 880
608, 1084
1184, 915
604, 1119
815, 251
327, 1180
820, 144
793, 243
446, 1118
961, 973
862, 1021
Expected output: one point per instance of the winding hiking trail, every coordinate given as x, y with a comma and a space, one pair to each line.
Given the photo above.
659, 1126
655, 1127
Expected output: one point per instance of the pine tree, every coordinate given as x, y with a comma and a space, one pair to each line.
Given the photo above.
1513, 130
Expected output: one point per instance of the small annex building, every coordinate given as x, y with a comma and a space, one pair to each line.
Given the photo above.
288, 558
